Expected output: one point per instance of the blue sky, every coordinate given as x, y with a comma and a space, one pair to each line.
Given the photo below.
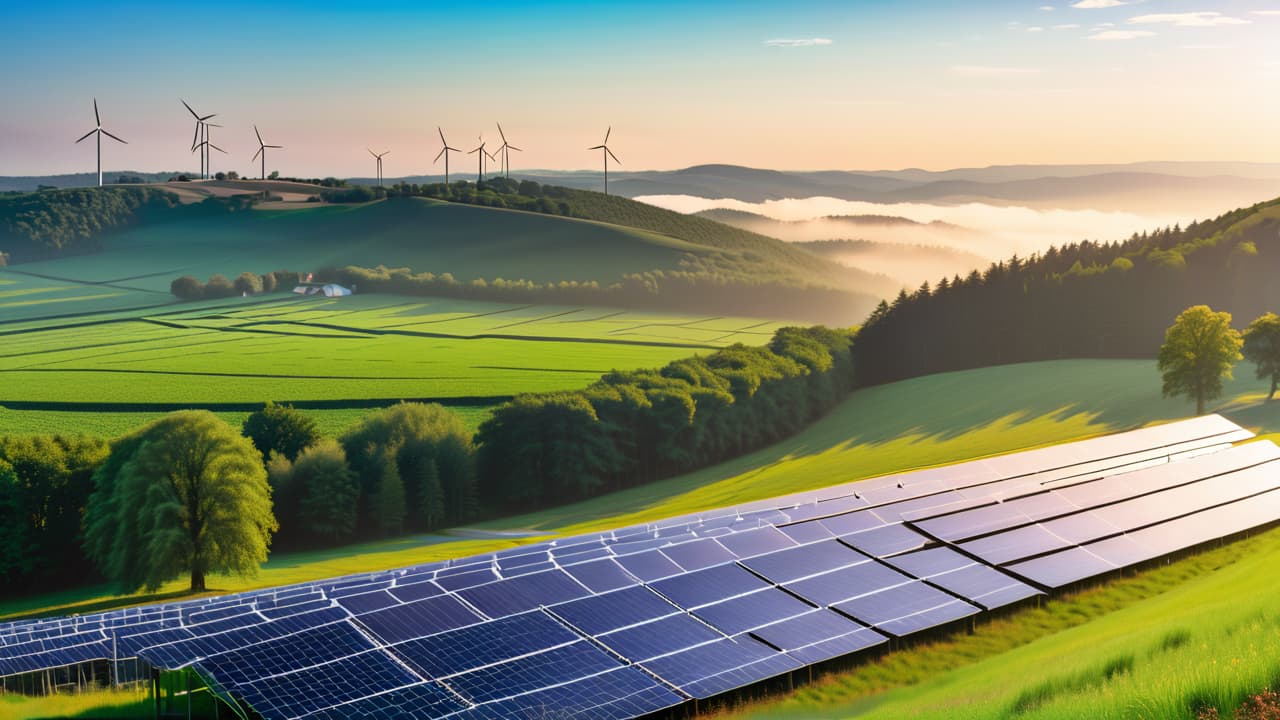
786, 85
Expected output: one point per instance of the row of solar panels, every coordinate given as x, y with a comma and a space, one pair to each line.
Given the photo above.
624, 635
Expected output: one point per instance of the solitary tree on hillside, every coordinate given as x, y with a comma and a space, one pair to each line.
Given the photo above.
1198, 352
1262, 348
280, 428
186, 493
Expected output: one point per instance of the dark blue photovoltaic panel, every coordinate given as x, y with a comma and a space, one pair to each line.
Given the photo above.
756, 542
926, 563
291, 652
456, 651
833, 587
54, 658
425, 700
296, 609
601, 613
905, 609
886, 540
707, 586
514, 595
806, 532
984, 585
649, 565
615, 695
819, 635
641, 642
416, 591
852, 522
531, 672
601, 575
698, 554
752, 611
367, 602
419, 619
470, 578
797, 562
305, 691
717, 667
1014, 545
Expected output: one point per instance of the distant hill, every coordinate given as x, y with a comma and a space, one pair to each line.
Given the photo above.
1085, 300
909, 264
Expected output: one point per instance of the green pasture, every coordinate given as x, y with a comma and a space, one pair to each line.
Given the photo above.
342, 352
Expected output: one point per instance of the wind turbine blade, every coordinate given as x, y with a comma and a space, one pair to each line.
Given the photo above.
215, 147
195, 139
501, 134
615, 157
606, 135
206, 117
274, 147
372, 152
442, 140
433, 162
113, 137
388, 152
596, 147
88, 134
513, 147
212, 125
95, 112
473, 152
193, 112
255, 132
255, 155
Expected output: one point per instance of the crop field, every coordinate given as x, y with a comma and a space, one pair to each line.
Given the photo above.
333, 356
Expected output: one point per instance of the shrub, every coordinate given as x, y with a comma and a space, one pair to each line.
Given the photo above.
187, 288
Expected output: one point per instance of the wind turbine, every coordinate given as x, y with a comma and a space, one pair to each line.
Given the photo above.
378, 158
205, 145
604, 147
483, 154
99, 132
506, 149
201, 134
445, 152
262, 150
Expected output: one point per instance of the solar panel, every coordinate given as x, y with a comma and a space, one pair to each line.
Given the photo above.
713, 668
602, 613
659, 637
748, 612
456, 651
905, 609
819, 635
419, 619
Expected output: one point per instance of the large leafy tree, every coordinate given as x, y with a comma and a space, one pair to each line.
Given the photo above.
329, 491
280, 428
185, 494
1198, 352
1262, 348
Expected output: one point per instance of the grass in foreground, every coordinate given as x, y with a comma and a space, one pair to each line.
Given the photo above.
1162, 643
103, 705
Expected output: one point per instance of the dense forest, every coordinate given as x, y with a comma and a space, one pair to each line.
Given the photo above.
414, 467
52, 223
1082, 300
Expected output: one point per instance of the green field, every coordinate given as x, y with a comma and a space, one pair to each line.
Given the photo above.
334, 356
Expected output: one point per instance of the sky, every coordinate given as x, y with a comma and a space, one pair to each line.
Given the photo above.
882, 84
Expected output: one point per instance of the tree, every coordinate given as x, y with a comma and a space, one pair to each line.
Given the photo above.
275, 175
280, 428
388, 497
1262, 348
17, 551
329, 491
247, 283
187, 288
219, 287
1198, 353
184, 494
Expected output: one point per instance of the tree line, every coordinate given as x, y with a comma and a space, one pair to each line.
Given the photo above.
1082, 300
54, 223
189, 494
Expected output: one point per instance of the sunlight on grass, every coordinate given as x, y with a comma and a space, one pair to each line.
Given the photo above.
104, 704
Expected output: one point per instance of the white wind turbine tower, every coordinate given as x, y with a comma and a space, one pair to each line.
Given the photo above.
506, 149
445, 152
99, 132
201, 134
378, 157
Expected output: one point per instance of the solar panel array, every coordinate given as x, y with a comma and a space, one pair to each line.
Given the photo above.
629, 622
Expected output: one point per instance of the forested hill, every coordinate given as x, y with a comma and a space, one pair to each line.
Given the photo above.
1084, 300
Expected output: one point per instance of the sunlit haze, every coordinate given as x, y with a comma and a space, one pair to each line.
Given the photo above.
781, 85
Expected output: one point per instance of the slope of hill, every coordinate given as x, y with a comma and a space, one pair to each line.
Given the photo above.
1083, 300
909, 264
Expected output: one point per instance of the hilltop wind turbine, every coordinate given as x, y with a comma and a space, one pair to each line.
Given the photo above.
201, 135
378, 158
99, 132
506, 149
604, 147
445, 152
262, 150
204, 146
483, 154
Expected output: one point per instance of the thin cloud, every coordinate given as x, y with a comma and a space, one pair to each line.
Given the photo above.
1272, 13
1068, 26
797, 42
992, 71
1207, 18
1121, 35
1098, 4
1037, 28
1047, 8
